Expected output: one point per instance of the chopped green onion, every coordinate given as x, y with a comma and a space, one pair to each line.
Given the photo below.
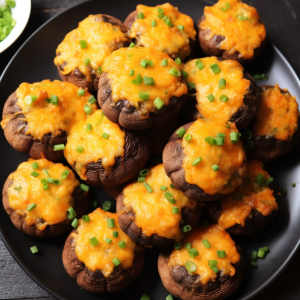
215, 269
95, 204
223, 98
115, 234
57, 181
169, 196
234, 137
215, 167
132, 45
145, 297
34, 249
177, 246
144, 172
253, 264
254, 255
64, 174
188, 137
210, 140
160, 16
264, 249
87, 109
18, 188
282, 191
191, 86
138, 80
99, 70
92, 100
264, 77
184, 74
87, 61
211, 97
148, 188
140, 15
175, 210
164, 62
169, 297
83, 44
160, 10
131, 73
105, 135
110, 223
196, 161
261, 254
222, 135
181, 132
94, 241
163, 188
199, 64
144, 63
168, 22
85, 218
212, 263
215, 68
180, 27
50, 180
59, 147
116, 262
153, 23
178, 60
222, 84
30, 99
75, 223
206, 244
45, 186
257, 77
172, 186
106, 205
293, 184
35, 165
81, 92
193, 252
141, 179
34, 174
84, 187
159, 103
190, 266
122, 244
71, 213
88, 128
219, 141
79, 149
188, 246
31, 206
149, 80
174, 72
221, 253
187, 228
108, 240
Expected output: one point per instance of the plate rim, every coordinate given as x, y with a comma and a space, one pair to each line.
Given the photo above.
36, 280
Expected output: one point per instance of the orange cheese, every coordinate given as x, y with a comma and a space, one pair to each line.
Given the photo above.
94, 145
277, 115
100, 257
219, 240
102, 39
230, 157
236, 21
122, 61
207, 83
51, 204
153, 212
169, 39
249, 195
43, 117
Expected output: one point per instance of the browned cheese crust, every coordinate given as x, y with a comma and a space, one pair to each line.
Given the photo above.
180, 283
211, 46
81, 201
137, 151
254, 222
183, 55
126, 220
267, 148
79, 79
126, 115
173, 158
245, 113
15, 133
95, 282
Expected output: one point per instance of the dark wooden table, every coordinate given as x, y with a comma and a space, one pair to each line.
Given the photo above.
282, 18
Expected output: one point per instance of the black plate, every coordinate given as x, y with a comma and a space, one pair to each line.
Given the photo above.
34, 62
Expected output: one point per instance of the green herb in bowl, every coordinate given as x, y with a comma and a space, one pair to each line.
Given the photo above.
7, 22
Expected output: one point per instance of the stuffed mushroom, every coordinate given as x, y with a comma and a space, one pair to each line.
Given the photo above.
205, 265
103, 153
164, 28
141, 88
251, 207
205, 159
153, 212
232, 30
39, 116
80, 55
43, 198
100, 256
220, 88
275, 130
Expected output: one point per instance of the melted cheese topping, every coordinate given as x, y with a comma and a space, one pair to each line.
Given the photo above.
206, 83
100, 257
43, 117
163, 37
102, 39
95, 146
219, 240
239, 24
249, 195
121, 62
230, 157
153, 212
277, 115
52, 204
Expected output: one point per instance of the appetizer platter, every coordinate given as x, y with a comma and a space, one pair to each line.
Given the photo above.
151, 152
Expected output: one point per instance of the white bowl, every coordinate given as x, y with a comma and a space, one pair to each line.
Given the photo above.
21, 14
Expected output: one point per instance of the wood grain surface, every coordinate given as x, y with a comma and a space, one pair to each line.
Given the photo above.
282, 19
